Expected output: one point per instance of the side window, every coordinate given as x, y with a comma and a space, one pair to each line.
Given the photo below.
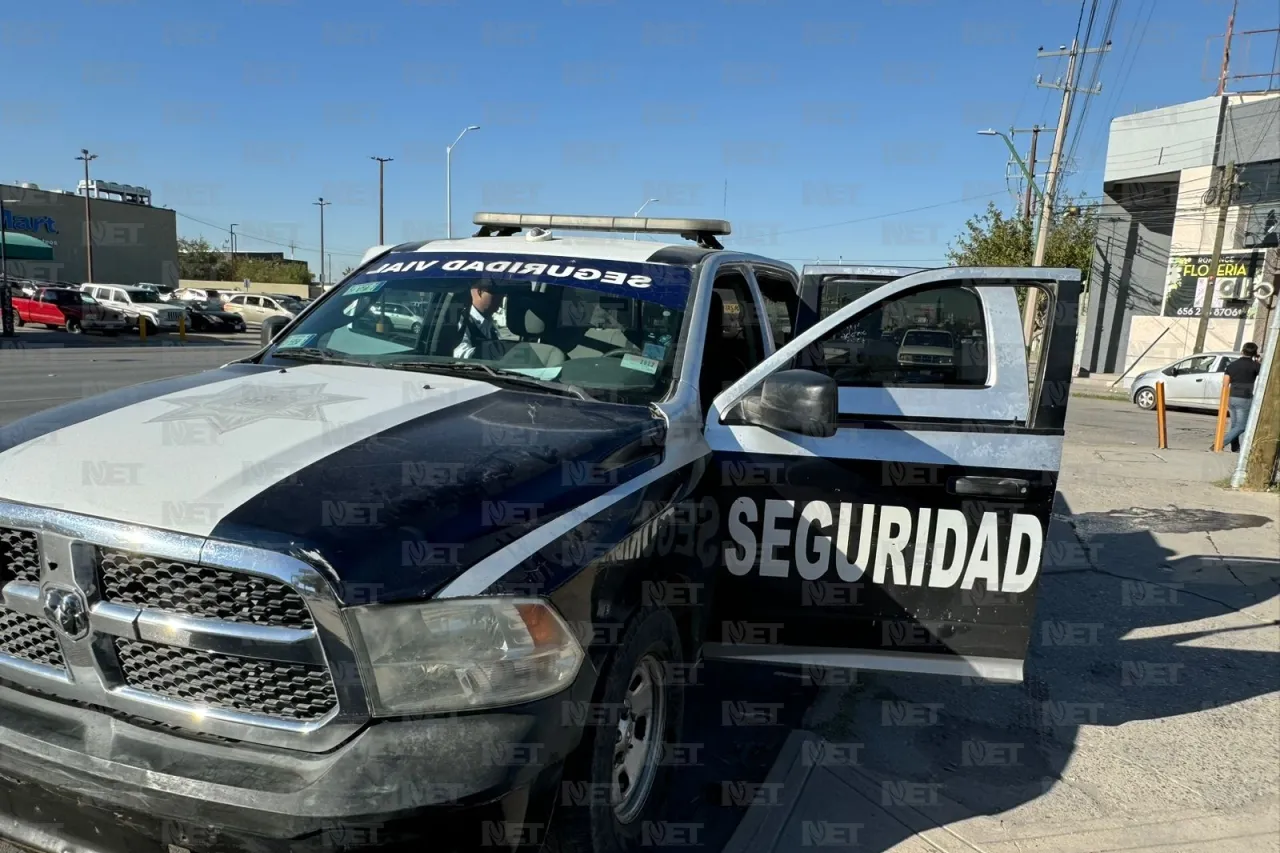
781, 301
120, 296
935, 337
1200, 364
734, 337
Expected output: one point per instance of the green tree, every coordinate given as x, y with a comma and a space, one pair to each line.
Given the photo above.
258, 269
200, 261
994, 239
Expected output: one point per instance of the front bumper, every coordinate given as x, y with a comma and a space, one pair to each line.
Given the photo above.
78, 781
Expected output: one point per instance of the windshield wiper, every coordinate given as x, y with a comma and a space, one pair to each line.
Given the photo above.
499, 375
317, 355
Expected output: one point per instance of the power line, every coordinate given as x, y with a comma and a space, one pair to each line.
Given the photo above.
292, 245
893, 213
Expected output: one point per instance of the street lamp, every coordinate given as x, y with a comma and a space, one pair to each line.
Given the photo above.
382, 162
448, 190
88, 216
636, 236
233, 240
322, 204
1031, 179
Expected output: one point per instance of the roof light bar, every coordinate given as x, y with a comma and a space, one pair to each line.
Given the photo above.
649, 225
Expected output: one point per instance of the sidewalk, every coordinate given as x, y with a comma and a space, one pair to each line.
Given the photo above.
1102, 383
1147, 719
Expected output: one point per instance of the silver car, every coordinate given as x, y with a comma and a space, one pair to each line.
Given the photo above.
1194, 382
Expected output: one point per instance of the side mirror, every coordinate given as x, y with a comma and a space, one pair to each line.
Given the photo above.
800, 401
1172, 371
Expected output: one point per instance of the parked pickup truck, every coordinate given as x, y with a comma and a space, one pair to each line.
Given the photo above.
64, 308
441, 585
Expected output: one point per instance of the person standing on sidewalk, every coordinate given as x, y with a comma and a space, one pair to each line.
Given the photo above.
1242, 372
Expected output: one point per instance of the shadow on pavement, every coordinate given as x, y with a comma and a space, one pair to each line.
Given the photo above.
911, 752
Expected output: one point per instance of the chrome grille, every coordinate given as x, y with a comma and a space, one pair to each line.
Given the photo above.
29, 638
177, 587
19, 556
214, 638
281, 690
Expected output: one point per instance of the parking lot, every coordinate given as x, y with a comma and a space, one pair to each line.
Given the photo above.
1154, 655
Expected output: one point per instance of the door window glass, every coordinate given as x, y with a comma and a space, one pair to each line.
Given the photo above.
934, 337
1199, 364
734, 337
780, 303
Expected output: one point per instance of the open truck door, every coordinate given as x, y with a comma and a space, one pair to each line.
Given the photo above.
883, 506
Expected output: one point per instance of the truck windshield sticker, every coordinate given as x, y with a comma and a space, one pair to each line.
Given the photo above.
295, 341
656, 351
660, 283
640, 363
819, 534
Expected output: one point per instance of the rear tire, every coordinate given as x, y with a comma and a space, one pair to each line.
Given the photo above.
1145, 398
627, 758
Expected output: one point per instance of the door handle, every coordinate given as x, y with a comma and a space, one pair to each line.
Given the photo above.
992, 487
1200, 380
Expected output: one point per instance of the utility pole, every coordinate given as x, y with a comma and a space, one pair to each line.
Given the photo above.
1226, 50
88, 215
1225, 192
1261, 439
322, 204
233, 240
1069, 91
382, 162
1031, 167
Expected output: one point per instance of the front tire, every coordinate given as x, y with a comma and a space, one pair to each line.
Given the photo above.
74, 327
1145, 398
626, 758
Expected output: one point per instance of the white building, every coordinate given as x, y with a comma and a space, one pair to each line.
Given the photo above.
1158, 219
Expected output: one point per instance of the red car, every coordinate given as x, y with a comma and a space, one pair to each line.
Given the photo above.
63, 308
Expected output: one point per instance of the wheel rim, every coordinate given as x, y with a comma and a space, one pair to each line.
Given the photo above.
1145, 398
638, 749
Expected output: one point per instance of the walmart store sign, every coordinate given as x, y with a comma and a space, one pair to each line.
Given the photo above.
34, 224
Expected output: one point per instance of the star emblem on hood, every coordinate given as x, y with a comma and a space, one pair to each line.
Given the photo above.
250, 403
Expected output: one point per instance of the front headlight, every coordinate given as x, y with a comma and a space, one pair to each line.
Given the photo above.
463, 654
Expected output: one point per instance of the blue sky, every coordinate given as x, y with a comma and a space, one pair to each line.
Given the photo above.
822, 117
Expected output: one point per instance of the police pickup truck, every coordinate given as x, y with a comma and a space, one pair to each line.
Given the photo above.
382, 582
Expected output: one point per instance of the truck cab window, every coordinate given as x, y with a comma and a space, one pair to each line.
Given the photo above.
734, 340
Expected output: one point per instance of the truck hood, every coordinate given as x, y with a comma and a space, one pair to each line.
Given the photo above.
390, 482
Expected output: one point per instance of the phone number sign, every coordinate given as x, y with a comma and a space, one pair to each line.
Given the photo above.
1239, 280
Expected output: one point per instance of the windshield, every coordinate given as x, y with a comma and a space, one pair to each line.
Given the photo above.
207, 305
925, 338
144, 297
608, 328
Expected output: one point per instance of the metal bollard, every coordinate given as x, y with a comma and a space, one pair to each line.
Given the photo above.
1162, 429
142, 329
1221, 432
182, 326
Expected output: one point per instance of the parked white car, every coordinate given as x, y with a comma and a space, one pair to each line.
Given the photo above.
256, 307
141, 304
927, 346
1194, 382
199, 294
